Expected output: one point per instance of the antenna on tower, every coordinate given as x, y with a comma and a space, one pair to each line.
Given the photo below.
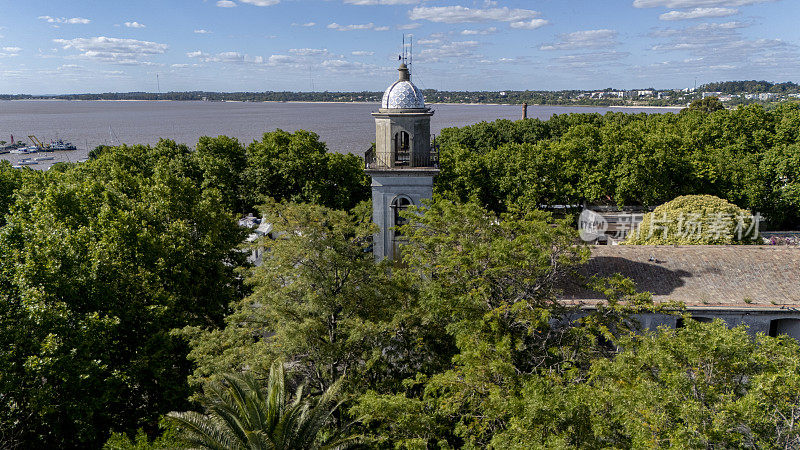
158, 84
404, 48
410, 51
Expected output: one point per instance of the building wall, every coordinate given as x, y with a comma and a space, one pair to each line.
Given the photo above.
417, 125
388, 185
779, 322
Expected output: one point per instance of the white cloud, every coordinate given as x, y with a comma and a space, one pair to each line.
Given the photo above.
451, 50
309, 51
429, 41
709, 47
307, 24
344, 66
529, 25
695, 3
8, 52
225, 57
365, 26
261, 2
275, 60
459, 14
583, 39
362, 53
381, 2
201, 31
409, 26
588, 60
229, 57
134, 25
226, 4
698, 13
485, 31
180, 66
114, 50
71, 20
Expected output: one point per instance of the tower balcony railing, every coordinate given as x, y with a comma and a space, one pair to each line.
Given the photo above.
403, 159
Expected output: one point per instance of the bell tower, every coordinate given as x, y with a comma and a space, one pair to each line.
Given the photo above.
404, 162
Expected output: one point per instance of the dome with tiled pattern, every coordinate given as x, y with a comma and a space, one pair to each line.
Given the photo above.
402, 94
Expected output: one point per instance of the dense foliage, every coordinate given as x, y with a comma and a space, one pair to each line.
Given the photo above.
748, 156
697, 220
100, 261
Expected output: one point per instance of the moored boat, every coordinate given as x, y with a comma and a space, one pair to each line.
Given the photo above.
61, 145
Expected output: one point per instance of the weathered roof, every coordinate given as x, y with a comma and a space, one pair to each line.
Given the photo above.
729, 276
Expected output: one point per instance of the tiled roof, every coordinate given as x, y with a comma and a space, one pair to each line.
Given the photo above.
735, 276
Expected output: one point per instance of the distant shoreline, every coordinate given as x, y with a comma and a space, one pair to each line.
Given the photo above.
518, 105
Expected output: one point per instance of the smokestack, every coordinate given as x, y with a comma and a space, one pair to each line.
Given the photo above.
525, 110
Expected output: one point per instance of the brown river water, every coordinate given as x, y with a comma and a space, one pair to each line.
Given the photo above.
345, 127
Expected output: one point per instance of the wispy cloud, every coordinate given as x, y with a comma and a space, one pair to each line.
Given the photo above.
223, 57
695, 3
529, 24
307, 24
8, 52
485, 31
261, 2
460, 14
226, 4
699, 13
65, 20
362, 53
409, 26
202, 31
583, 39
713, 47
114, 50
381, 2
309, 51
134, 25
364, 26
450, 50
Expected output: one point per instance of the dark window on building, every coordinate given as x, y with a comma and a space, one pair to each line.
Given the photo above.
399, 205
789, 327
402, 148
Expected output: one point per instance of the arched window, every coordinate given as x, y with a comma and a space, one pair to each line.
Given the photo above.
789, 327
400, 204
402, 148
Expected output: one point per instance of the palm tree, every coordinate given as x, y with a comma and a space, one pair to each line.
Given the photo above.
240, 414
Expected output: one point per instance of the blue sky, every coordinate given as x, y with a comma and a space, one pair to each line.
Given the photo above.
344, 45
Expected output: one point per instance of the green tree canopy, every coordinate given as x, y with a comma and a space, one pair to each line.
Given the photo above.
97, 265
696, 219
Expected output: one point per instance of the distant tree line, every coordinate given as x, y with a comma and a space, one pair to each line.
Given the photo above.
751, 86
563, 97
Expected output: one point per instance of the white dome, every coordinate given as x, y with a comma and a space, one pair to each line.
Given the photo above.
403, 95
